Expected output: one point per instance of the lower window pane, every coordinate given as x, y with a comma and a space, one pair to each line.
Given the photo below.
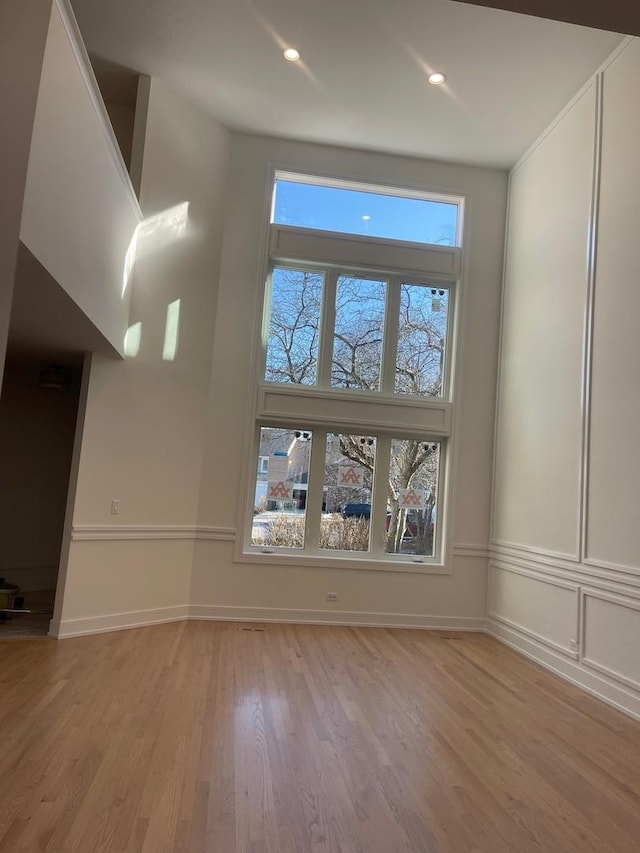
281, 490
346, 504
413, 487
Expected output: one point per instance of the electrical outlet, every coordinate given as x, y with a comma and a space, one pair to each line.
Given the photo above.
331, 596
115, 507
573, 645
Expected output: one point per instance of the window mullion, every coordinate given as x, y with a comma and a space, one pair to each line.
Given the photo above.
380, 489
266, 321
325, 350
315, 485
391, 324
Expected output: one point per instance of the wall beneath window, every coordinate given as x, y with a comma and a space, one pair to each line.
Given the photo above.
144, 433
224, 588
565, 569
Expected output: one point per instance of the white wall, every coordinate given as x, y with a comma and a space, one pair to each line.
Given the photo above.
23, 32
144, 431
80, 212
565, 571
537, 489
224, 588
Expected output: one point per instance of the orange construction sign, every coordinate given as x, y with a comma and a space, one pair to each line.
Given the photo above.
412, 498
280, 491
350, 476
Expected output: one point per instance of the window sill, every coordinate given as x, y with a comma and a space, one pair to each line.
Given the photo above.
281, 558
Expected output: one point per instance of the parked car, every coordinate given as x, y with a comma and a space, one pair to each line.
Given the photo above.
356, 511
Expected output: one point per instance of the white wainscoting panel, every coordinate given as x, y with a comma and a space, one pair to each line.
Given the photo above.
539, 606
611, 635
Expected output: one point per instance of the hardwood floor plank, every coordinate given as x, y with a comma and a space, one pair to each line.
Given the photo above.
201, 737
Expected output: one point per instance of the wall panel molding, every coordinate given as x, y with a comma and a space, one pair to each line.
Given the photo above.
612, 567
470, 549
611, 576
549, 581
118, 533
591, 662
530, 549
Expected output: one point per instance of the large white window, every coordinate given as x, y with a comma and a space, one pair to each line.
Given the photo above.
354, 398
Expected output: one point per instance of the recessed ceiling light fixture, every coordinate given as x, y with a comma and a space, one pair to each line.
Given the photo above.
291, 54
437, 78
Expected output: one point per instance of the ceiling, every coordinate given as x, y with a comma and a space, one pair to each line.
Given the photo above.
362, 78
621, 16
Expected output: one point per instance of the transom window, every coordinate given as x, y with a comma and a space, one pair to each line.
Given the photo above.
372, 211
354, 395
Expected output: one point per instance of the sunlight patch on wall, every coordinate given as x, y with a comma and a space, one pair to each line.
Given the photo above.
132, 340
153, 233
164, 227
171, 328
129, 261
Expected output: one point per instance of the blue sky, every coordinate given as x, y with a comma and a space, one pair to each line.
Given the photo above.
356, 212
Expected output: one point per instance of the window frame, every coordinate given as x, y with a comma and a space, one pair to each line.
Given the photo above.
285, 405
394, 280
375, 556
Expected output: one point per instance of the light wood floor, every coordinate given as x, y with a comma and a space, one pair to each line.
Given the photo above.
201, 737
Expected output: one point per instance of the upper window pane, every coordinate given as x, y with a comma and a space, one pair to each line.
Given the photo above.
357, 341
350, 210
422, 340
292, 348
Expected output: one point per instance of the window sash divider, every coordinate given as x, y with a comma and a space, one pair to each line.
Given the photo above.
378, 532
391, 327
315, 483
327, 326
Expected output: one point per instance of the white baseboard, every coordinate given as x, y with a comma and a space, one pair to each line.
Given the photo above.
118, 621
625, 700
140, 618
335, 617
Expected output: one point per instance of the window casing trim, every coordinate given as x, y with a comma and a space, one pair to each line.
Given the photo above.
412, 265
290, 244
397, 190
394, 279
278, 403
374, 559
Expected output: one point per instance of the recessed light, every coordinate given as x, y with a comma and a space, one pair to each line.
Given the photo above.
291, 54
437, 78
